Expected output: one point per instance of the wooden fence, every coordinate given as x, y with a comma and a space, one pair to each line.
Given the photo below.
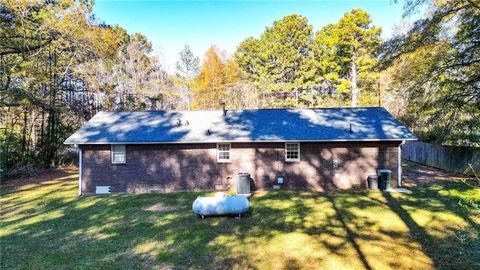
450, 158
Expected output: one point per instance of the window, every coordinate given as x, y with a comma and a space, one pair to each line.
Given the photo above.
223, 152
292, 151
118, 154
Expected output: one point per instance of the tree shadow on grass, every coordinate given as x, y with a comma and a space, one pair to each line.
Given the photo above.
113, 232
350, 235
459, 247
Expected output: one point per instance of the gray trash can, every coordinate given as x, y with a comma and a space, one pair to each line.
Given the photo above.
372, 182
243, 184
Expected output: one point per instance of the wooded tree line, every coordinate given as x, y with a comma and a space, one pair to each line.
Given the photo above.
60, 65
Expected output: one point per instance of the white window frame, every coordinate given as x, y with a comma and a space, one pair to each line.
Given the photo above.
292, 159
114, 151
219, 160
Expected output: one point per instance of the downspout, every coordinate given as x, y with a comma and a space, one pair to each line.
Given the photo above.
80, 173
399, 165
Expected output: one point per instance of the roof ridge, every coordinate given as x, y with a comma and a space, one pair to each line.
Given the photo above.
250, 109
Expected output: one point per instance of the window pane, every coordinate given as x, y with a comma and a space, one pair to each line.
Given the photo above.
224, 155
292, 155
292, 146
118, 148
119, 157
118, 153
223, 147
223, 151
292, 151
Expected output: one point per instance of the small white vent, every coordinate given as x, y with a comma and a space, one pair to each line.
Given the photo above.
154, 188
103, 190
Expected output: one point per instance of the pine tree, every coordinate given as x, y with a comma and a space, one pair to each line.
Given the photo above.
347, 54
277, 60
187, 67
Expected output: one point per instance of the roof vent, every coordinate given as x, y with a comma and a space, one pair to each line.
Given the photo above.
223, 107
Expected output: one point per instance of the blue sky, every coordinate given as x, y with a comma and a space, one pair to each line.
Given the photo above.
169, 25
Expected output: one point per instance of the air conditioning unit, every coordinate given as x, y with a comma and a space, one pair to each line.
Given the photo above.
243, 184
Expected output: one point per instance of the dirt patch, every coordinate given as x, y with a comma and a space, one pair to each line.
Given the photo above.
158, 207
416, 174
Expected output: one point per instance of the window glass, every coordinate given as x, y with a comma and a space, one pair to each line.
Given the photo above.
292, 151
118, 153
223, 152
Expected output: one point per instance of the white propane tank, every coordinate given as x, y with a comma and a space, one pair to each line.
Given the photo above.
227, 205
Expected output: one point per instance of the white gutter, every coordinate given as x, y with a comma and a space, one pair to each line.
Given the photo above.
246, 141
80, 173
399, 165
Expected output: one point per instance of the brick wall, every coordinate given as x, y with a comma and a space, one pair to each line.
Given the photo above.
169, 167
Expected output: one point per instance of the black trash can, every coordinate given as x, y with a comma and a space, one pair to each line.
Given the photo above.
243, 183
372, 182
385, 176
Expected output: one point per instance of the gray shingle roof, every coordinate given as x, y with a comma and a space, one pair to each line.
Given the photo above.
328, 124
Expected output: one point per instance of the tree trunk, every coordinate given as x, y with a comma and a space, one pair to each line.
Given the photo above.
24, 134
32, 136
379, 94
42, 130
189, 94
353, 77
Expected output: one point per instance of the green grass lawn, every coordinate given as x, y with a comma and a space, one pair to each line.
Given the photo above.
45, 225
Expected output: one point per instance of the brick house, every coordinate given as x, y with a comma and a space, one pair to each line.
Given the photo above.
315, 149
